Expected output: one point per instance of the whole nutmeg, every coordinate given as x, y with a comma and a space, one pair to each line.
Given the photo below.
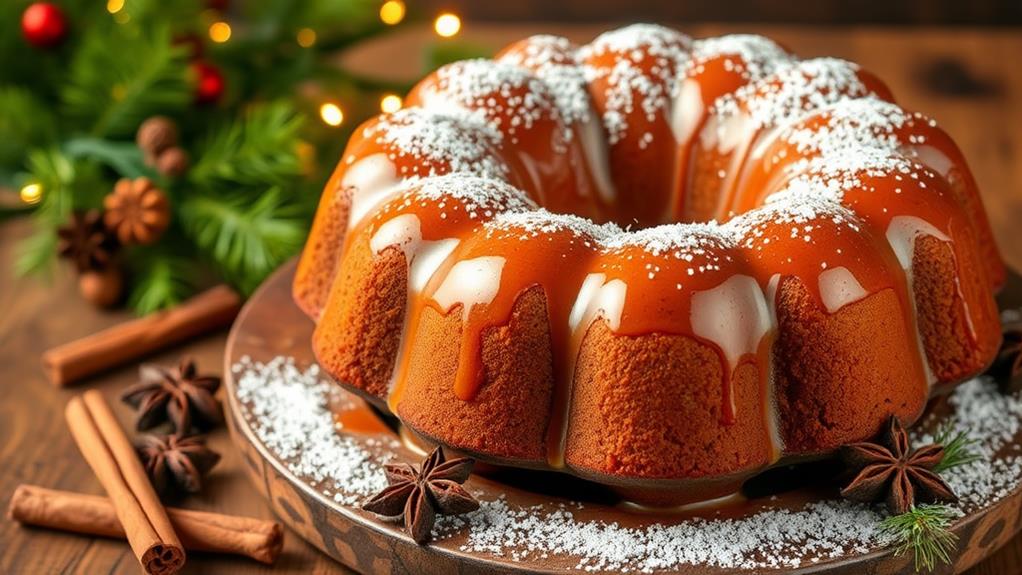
156, 135
102, 288
172, 162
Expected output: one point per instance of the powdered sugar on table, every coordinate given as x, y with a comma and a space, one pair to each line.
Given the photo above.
290, 409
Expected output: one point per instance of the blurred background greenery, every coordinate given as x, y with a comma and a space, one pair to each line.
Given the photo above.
256, 103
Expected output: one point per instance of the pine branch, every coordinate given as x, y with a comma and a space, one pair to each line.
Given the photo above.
924, 530
25, 122
160, 280
36, 253
258, 150
67, 186
123, 74
246, 238
957, 449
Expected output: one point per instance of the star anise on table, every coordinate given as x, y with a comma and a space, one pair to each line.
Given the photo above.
419, 495
178, 395
175, 463
86, 242
895, 472
1007, 367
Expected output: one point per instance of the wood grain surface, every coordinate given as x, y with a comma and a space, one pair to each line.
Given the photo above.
969, 80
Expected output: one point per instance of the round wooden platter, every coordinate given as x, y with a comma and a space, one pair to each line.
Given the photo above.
270, 326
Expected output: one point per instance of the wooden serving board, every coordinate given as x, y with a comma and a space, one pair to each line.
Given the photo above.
270, 326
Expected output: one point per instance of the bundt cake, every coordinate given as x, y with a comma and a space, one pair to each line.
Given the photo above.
659, 263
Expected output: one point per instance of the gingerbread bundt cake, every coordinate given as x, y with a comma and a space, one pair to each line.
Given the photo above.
658, 263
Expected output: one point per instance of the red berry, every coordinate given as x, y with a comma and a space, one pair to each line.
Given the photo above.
209, 83
43, 24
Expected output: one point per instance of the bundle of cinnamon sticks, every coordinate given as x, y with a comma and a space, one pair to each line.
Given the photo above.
158, 536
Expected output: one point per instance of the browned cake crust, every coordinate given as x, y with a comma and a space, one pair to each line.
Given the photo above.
954, 350
357, 337
649, 410
321, 255
650, 406
839, 375
509, 415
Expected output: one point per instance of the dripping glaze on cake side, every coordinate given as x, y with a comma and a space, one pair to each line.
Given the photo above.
658, 263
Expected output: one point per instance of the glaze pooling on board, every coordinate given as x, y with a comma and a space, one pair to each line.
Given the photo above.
816, 178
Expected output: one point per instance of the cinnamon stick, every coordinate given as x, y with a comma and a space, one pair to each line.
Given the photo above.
70, 362
112, 458
259, 539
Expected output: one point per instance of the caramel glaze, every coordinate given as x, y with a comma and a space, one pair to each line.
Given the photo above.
828, 320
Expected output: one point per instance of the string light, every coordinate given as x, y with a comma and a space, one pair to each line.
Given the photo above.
114, 6
447, 25
392, 12
331, 114
306, 37
31, 193
390, 103
220, 32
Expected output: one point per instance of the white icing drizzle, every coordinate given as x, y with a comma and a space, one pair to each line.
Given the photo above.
374, 179
598, 298
423, 257
838, 288
734, 316
594, 147
470, 282
933, 158
547, 79
688, 111
901, 234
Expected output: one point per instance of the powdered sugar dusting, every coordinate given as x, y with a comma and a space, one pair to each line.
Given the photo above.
750, 55
535, 223
794, 90
555, 61
639, 64
511, 98
288, 409
794, 216
456, 139
479, 197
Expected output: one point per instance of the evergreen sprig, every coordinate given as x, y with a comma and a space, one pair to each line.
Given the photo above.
259, 149
25, 123
925, 531
69, 114
120, 77
160, 280
245, 237
958, 449
70, 185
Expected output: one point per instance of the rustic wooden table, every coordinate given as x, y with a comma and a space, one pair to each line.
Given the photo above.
969, 80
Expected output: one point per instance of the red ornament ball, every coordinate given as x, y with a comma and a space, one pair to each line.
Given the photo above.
43, 24
209, 83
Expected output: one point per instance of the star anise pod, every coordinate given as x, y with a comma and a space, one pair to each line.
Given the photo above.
175, 463
137, 211
895, 472
1007, 368
178, 395
86, 242
419, 495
